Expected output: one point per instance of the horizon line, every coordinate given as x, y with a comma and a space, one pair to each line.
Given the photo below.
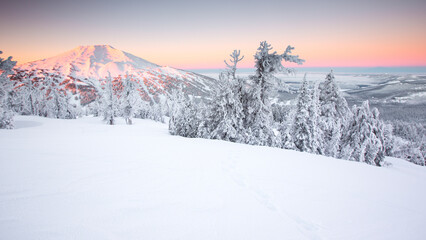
397, 66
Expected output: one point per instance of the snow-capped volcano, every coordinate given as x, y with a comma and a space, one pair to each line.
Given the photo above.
90, 64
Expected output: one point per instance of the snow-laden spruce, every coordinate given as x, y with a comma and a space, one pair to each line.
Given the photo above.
409, 142
301, 131
305, 131
110, 104
259, 118
364, 138
6, 87
129, 99
225, 115
317, 141
334, 115
184, 120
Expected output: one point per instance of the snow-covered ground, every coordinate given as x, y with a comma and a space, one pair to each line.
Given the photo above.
81, 179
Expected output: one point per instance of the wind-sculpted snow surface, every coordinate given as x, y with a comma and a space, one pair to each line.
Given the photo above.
81, 179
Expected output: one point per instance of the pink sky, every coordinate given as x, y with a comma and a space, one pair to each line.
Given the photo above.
195, 34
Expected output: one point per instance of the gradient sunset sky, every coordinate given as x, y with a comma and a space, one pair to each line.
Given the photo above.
200, 34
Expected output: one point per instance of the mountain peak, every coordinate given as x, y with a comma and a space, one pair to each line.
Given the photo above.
94, 47
93, 61
97, 46
89, 65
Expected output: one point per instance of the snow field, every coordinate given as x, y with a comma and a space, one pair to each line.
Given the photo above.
82, 179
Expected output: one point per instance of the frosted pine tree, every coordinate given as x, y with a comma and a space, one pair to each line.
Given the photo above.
176, 103
333, 116
259, 118
71, 109
109, 101
314, 115
364, 139
226, 113
285, 126
56, 102
232, 66
302, 134
95, 107
184, 121
381, 133
130, 99
156, 112
29, 90
409, 142
204, 115
144, 111
388, 138
6, 86
305, 133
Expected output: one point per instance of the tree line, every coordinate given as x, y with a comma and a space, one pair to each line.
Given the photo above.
320, 121
48, 93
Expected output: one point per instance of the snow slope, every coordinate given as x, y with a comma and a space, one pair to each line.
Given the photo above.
138, 182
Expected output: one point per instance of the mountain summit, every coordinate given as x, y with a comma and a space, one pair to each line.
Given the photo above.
88, 65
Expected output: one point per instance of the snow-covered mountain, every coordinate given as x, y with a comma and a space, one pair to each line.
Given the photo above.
90, 64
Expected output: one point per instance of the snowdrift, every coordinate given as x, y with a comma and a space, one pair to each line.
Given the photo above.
81, 179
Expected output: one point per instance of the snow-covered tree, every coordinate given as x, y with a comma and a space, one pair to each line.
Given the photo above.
72, 108
55, 103
301, 130
204, 116
305, 133
284, 118
225, 118
232, 66
257, 108
130, 99
150, 110
183, 118
6, 86
363, 141
334, 115
177, 100
95, 107
158, 112
110, 105
314, 118
29, 92
409, 142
